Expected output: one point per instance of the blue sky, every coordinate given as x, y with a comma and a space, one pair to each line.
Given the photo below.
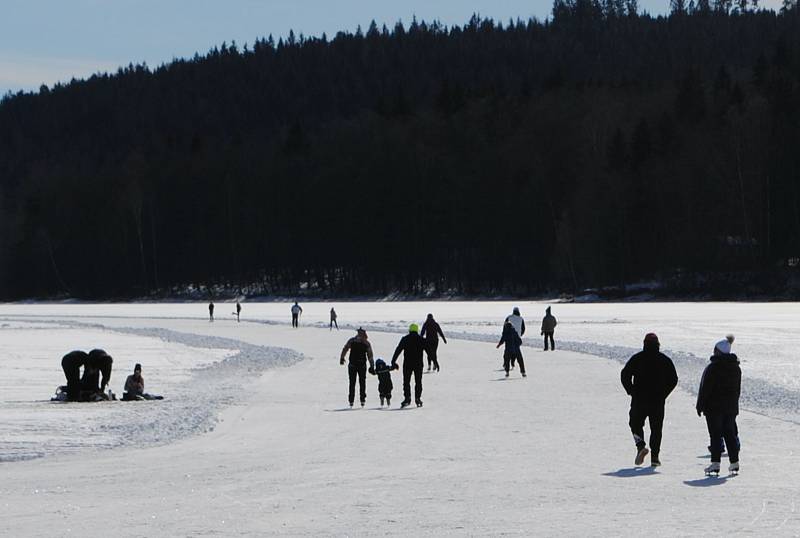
45, 41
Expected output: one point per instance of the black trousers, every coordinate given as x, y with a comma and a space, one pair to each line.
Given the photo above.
408, 370
508, 360
654, 411
73, 374
294, 320
431, 347
359, 371
723, 427
552, 343
333, 322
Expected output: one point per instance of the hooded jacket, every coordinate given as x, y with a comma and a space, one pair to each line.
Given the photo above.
431, 330
720, 386
518, 323
512, 341
649, 376
549, 322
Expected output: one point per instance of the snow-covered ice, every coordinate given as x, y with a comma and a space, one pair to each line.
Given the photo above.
255, 437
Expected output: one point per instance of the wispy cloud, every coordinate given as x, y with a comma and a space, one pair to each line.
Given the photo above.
28, 72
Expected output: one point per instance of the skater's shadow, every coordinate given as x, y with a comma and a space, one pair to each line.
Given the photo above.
631, 472
706, 482
341, 409
507, 379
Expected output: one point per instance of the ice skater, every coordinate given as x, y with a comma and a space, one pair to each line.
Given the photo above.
360, 353
333, 320
648, 377
519, 325
211, 311
296, 311
431, 331
238, 310
513, 342
412, 345
718, 400
548, 328
385, 386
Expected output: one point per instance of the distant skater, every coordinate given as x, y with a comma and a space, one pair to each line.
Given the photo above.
360, 353
412, 345
649, 377
431, 331
296, 311
548, 328
333, 320
513, 342
238, 310
519, 325
718, 400
385, 386
211, 311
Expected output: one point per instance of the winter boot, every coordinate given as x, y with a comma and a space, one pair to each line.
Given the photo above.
713, 468
654, 461
641, 453
733, 468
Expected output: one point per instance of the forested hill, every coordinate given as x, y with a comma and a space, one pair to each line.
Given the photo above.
599, 147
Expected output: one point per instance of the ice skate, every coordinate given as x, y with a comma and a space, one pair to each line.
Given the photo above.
362, 403
419, 403
351, 404
713, 468
640, 455
388, 401
404, 403
381, 401
655, 462
524, 374
733, 468
506, 373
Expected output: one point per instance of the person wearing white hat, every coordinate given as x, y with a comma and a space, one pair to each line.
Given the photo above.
718, 400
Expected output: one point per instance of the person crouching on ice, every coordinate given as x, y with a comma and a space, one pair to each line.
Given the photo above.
649, 377
718, 399
385, 386
512, 340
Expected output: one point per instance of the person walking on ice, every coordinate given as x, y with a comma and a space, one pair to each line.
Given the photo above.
718, 400
513, 342
431, 331
211, 311
412, 345
519, 325
360, 353
385, 385
333, 320
648, 377
548, 328
296, 311
238, 310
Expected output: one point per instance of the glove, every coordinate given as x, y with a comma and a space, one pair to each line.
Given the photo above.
541, 333
497, 346
444, 340
341, 361
371, 370
394, 366
699, 412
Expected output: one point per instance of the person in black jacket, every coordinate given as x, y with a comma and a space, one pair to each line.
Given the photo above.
71, 364
513, 342
385, 385
649, 377
360, 352
412, 345
98, 363
431, 331
718, 399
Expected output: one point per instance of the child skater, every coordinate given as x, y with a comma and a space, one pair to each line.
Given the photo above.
513, 342
384, 373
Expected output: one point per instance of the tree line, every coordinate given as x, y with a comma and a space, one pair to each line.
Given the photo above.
599, 147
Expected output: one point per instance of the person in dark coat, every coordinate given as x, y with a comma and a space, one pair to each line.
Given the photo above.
548, 328
512, 340
238, 311
71, 363
98, 363
333, 320
296, 311
211, 311
431, 331
360, 353
385, 385
718, 400
648, 377
412, 345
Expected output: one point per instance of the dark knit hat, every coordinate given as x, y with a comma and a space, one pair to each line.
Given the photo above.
137, 367
650, 338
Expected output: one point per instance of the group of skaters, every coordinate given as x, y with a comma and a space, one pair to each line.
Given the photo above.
649, 377
513, 331
90, 385
413, 346
237, 313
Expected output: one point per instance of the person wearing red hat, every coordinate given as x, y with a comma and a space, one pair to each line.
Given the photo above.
648, 377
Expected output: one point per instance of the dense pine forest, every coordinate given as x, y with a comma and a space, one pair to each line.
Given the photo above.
598, 148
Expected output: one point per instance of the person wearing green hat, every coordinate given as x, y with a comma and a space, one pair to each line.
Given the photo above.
412, 345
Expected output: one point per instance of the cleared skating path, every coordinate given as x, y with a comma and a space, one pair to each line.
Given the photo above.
549, 455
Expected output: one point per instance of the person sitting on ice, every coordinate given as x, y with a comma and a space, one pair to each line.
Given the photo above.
134, 387
718, 400
512, 352
385, 386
